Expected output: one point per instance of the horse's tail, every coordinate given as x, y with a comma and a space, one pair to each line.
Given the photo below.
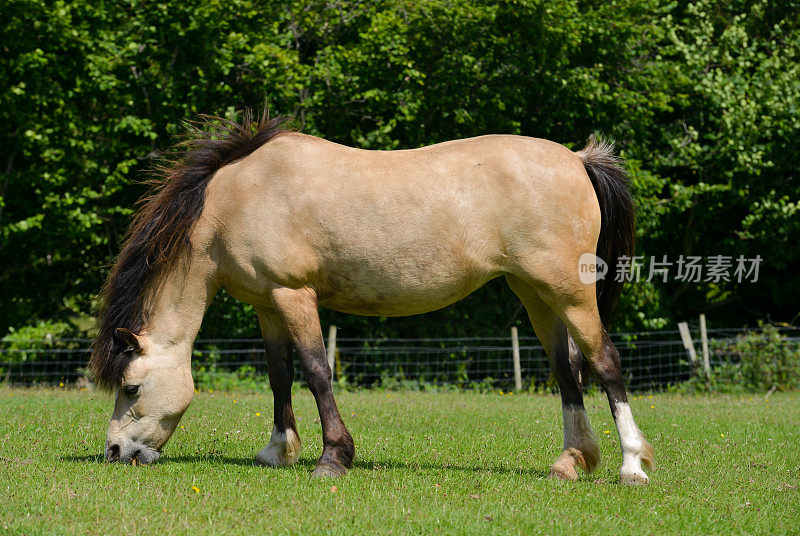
617, 228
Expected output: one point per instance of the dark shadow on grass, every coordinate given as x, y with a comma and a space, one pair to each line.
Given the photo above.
380, 465
166, 460
84, 458
308, 463
213, 458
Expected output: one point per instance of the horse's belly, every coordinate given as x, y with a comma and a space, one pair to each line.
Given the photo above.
392, 305
398, 295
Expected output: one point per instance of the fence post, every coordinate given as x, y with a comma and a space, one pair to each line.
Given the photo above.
515, 355
704, 340
687, 342
332, 349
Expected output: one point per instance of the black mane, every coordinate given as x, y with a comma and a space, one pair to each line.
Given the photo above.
161, 228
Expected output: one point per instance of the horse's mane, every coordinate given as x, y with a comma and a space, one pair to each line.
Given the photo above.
161, 227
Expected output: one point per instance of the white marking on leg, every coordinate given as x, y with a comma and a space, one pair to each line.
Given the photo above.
283, 449
633, 446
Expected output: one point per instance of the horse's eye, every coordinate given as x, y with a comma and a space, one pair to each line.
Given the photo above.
130, 390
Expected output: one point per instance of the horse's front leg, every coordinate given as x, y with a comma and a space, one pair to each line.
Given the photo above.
284, 445
298, 310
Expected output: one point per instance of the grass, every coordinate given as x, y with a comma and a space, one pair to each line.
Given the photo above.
460, 463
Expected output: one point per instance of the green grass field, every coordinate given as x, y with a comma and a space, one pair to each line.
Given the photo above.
461, 463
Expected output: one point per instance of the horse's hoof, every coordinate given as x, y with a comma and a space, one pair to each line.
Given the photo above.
563, 472
564, 467
279, 455
633, 478
328, 470
265, 458
283, 449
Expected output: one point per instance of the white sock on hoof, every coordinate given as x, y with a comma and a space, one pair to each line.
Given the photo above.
633, 446
283, 449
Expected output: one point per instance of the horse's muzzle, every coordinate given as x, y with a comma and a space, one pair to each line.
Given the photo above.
131, 452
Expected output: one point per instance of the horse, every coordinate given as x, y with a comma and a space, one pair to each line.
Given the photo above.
290, 222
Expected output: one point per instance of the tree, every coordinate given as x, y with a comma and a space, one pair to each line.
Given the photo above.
701, 98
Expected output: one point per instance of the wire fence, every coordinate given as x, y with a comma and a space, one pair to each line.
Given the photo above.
650, 360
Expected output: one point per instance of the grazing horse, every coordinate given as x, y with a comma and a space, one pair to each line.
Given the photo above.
289, 223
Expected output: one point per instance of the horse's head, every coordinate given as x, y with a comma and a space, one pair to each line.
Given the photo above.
156, 389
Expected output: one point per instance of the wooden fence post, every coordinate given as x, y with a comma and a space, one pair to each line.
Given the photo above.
704, 340
515, 355
332, 349
687, 342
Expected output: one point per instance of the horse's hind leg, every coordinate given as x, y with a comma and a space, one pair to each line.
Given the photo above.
297, 309
284, 444
578, 309
580, 446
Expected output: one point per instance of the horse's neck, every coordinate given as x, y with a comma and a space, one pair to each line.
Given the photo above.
179, 303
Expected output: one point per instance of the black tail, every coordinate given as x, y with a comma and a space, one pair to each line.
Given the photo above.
618, 228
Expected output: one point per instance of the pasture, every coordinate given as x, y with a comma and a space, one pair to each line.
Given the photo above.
426, 463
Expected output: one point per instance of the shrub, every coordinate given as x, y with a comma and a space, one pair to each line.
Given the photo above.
755, 361
43, 351
211, 378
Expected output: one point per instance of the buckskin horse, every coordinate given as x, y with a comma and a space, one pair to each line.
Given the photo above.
290, 222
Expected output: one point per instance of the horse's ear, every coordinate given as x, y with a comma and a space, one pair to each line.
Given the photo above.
133, 340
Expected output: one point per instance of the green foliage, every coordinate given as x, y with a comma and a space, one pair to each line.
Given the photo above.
760, 361
703, 100
41, 331
42, 350
732, 150
757, 361
23, 344
211, 378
